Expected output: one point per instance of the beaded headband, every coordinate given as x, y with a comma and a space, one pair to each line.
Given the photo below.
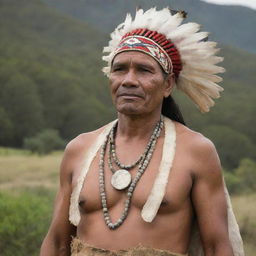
144, 44
179, 49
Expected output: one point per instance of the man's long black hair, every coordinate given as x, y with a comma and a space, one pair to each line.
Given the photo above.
171, 109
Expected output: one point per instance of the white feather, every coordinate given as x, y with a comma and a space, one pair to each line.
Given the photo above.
193, 38
200, 53
190, 72
156, 22
208, 68
207, 87
106, 49
173, 22
197, 46
204, 102
184, 30
204, 59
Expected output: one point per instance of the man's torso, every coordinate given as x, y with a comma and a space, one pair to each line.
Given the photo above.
170, 229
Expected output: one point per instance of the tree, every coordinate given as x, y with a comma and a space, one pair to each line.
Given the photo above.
22, 107
232, 145
246, 173
6, 128
45, 142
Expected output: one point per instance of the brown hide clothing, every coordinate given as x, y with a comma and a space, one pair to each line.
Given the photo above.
79, 248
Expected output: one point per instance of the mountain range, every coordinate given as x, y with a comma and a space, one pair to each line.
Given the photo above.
231, 25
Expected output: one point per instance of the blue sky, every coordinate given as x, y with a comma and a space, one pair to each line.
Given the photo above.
247, 3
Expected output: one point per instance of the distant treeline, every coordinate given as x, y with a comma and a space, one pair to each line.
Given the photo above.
49, 74
50, 78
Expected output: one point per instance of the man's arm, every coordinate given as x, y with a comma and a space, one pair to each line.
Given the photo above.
209, 200
58, 238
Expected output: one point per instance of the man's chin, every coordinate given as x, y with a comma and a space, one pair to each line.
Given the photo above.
130, 110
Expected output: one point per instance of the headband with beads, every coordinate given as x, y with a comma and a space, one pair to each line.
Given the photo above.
146, 41
179, 49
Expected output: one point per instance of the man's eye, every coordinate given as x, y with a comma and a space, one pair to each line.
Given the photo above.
145, 70
117, 69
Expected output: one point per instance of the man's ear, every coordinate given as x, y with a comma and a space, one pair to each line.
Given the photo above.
169, 84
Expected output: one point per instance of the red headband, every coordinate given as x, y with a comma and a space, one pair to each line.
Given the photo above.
154, 44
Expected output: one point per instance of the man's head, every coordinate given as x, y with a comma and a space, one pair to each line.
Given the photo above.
138, 83
179, 49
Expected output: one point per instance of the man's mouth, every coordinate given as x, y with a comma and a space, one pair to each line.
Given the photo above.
130, 95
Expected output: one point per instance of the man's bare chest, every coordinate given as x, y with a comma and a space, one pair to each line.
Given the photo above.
176, 195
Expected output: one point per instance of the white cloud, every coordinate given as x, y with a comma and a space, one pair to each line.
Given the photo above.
247, 3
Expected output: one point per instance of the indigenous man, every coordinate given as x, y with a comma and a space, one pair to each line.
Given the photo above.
146, 184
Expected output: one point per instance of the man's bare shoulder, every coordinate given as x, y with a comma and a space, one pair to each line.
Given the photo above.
200, 148
76, 149
83, 141
193, 139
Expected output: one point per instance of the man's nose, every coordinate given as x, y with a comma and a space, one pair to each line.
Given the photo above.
130, 79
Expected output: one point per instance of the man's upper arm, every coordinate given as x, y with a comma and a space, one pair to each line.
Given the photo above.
209, 200
58, 238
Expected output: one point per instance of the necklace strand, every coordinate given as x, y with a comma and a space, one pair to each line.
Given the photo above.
112, 157
141, 169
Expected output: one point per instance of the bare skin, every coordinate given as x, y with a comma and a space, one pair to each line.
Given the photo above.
195, 188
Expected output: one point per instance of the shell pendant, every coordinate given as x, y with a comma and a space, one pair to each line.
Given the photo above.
121, 179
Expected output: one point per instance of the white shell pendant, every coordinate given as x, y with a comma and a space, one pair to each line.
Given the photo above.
121, 179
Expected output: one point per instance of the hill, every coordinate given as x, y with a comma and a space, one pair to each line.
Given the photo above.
50, 78
232, 25
49, 73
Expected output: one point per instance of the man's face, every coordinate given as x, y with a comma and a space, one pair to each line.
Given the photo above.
137, 83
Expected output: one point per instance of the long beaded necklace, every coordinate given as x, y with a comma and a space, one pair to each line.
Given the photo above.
141, 169
121, 178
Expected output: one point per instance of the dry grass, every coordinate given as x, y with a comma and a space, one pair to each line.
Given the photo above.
20, 170
245, 210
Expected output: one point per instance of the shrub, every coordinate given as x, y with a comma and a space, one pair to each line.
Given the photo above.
242, 179
24, 222
45, 142
246, 173
232, 182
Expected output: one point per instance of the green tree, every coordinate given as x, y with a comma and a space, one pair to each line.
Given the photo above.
242, 179
45, 142
6, 128
232, 182
232, 145
22, 106
246, 173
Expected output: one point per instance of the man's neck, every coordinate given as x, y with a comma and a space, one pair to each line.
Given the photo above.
132, 126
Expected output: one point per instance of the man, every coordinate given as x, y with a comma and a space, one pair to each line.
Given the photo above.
140, 185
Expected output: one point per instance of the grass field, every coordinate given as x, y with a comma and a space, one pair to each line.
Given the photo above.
21, 171
245, 210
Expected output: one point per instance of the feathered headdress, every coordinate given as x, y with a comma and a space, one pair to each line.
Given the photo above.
179, 49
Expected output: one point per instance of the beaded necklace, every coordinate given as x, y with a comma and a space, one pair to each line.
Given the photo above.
112, 148
142, 165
